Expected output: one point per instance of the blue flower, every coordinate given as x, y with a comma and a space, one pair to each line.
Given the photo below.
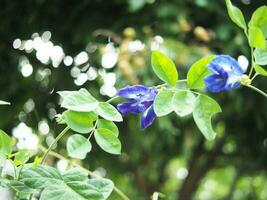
141, 100
226, 75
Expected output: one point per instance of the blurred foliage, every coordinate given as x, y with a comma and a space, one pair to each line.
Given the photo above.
170, 157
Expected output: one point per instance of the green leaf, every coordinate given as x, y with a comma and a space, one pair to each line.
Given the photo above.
259, 19
75, 174
40, 176
4, 103
260, 56
103, 185
260, 70
21, 157
205, 108
81, 122
108, 112
163, 103
183, 103
6, 143
236, 15
108, 141
74, 190
20, 187
78, 146
197, 72
102, 123
56, 186
256, 38
164, 68
81, 101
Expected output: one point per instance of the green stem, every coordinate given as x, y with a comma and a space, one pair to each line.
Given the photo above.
92, 132
252, 61
92, 174
53, 143
257, 90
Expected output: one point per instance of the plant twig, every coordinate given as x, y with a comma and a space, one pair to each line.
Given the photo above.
53, 143
257, 90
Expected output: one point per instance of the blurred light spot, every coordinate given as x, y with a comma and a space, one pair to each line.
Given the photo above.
7, 169
46, 36
75, 71
26, 138
22, 45
16, 43
62, 165
29, 45
110, 79
100, 171
108, 90
136, 45
51, 113
57, 55
91, 73
91, 48
81, 58
157, 41
110, 56
243, 62
247, 2
181, 173
43, 127
81, 79
22, 116
26, 70
68, 60
34, 35
29, 106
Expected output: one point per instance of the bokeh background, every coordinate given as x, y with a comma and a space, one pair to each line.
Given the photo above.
48, 46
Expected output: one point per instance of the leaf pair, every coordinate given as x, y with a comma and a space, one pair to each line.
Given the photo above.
185, 103
106, 136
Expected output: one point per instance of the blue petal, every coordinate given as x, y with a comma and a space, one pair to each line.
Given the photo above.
150, 95
215, 83
133, 92
128, 107
225, 63
148, 117
232, 86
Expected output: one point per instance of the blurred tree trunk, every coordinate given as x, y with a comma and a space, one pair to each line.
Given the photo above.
202, 161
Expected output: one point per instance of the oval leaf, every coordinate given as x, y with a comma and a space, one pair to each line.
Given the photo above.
81, 101
109, 112
6, 143
197, 72
163, 103
78, 146
260, 70
256, 37
81, 122
205, 108
236, 15
102, 123
260, 56
164, 68
183, 103
259, 19
108, 141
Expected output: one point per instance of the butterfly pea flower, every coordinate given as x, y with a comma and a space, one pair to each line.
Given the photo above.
141, 99
226, 74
